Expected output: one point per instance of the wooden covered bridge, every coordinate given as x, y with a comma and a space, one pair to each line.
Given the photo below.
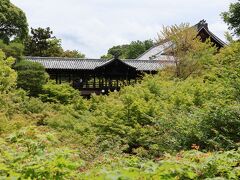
101, 76
97, 75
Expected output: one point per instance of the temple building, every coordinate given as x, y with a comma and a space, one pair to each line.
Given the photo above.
102, 76
158, 52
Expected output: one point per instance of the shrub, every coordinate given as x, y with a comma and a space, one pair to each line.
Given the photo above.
185, 165
29, 153
7, 75
12, 49
161, 115
221, 128
59, 93
31, 77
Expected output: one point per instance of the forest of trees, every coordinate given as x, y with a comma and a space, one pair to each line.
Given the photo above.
182, 123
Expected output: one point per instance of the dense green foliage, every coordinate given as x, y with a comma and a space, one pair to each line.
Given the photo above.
191, 57
72, 54
186, 165
7, 74
129, 134
165, 114
182, 123
15, 41
42, 43
31, 77
39, 158
12, 49
129, 51
59, 93
13, 22
232, 17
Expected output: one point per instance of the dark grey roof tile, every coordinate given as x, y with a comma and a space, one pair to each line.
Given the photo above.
91, 64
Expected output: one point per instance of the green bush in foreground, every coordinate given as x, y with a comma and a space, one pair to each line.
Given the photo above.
37, 153
186, 165
167, 114
32, 153
59, 93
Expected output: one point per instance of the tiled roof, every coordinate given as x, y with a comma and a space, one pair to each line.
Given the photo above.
91, 64
67, 63
148, 65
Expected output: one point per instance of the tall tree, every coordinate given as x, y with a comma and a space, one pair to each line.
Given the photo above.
13, 22
42, 43
232, 17
188, 52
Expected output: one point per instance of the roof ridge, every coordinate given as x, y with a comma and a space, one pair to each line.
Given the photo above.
149, 61
97, 60
61, 58
214, 36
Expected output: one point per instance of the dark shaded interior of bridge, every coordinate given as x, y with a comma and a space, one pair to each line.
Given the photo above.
104, 79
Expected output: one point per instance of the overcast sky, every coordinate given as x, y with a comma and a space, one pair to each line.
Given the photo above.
93, 26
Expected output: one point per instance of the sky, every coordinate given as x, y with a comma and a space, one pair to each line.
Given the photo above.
94, 26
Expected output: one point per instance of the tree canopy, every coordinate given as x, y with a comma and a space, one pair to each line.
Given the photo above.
232, 17
13, 49
31, 77
73, 54
7, 75
42, 43
13, 22
129, 51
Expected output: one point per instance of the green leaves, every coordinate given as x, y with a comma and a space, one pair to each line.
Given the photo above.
13, 22
59, 93
7, 74
163, 114
232, 17
129, 51
185, 165
127, 134
31, 77
31, 154
12, 49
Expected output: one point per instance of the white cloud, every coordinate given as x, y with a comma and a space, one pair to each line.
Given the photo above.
93, 26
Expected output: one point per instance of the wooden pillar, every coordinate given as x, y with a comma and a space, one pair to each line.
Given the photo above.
56, 78
99, 82
105, 81
60, 79
69, 78
94, 81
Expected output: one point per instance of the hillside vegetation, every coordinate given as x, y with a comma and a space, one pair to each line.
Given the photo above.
181, 123
162, 128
